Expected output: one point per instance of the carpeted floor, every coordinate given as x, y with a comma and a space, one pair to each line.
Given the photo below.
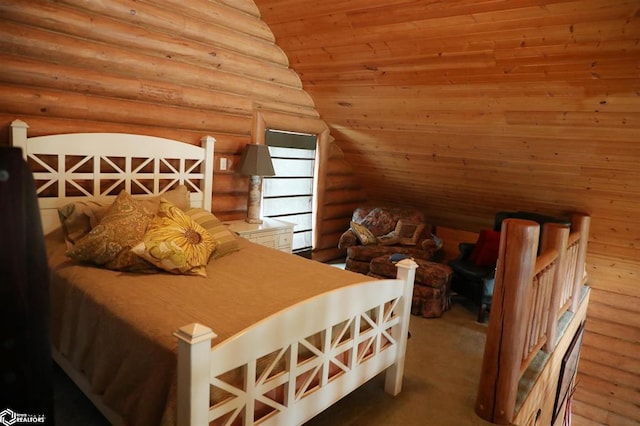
442, 368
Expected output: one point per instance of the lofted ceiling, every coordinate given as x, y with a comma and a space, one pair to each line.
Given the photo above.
432, 101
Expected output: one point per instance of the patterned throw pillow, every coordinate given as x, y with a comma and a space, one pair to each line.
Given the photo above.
379, 221
176, 243
226, 241
109, 243
364, 235
80, 217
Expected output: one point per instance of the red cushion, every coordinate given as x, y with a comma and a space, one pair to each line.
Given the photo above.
486, 251
478, 247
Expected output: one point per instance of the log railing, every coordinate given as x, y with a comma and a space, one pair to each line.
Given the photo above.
531, 293
570, 271
538, 319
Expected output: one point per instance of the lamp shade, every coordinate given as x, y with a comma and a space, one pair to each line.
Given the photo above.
256, 161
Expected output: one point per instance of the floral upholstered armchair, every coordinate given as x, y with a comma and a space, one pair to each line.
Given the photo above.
379, 231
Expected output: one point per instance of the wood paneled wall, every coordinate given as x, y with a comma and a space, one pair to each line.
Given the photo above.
468, 107
176, 69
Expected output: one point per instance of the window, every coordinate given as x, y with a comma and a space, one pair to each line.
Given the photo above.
289, 194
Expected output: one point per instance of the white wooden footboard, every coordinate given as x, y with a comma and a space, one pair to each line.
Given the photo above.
294, 364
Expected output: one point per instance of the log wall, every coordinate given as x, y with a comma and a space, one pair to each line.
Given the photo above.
468, 107
175, 69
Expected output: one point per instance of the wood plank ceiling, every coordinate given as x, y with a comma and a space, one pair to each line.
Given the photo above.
467, 107
418, 92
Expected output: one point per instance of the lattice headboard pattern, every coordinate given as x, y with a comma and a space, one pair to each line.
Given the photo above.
70, 167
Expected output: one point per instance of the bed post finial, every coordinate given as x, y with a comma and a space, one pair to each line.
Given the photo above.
194, 353
19, 135
393, 377
208, 143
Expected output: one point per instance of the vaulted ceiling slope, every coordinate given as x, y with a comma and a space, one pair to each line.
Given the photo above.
457, 105
468, 107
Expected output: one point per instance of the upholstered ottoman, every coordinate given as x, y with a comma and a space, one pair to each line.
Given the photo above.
431, 287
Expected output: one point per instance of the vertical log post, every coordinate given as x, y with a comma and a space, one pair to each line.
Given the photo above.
581, 223
395, 373
555, 236
194, 352
507, 325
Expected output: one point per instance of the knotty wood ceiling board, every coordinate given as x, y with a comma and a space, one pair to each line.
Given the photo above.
406, 84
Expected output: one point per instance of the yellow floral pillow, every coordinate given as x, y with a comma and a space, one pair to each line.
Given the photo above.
175, 243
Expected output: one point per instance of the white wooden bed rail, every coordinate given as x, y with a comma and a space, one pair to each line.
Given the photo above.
363, 331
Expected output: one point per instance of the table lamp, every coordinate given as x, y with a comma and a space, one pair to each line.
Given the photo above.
255, 163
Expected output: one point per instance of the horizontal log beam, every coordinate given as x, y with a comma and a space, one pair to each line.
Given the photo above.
56, 48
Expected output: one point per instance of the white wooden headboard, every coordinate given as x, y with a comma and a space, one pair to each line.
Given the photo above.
97, 166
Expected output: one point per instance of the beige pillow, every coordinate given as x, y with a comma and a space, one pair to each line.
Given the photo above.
176, 243
226, 241
109, 243
364, 235
179, 197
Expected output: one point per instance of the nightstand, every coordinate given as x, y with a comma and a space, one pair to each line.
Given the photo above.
270, 233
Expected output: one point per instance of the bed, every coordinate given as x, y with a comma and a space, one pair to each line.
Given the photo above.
265, 338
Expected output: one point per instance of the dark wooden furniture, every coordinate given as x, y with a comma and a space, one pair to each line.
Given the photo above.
26, 367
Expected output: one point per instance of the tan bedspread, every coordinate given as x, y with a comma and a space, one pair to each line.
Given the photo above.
117, 327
